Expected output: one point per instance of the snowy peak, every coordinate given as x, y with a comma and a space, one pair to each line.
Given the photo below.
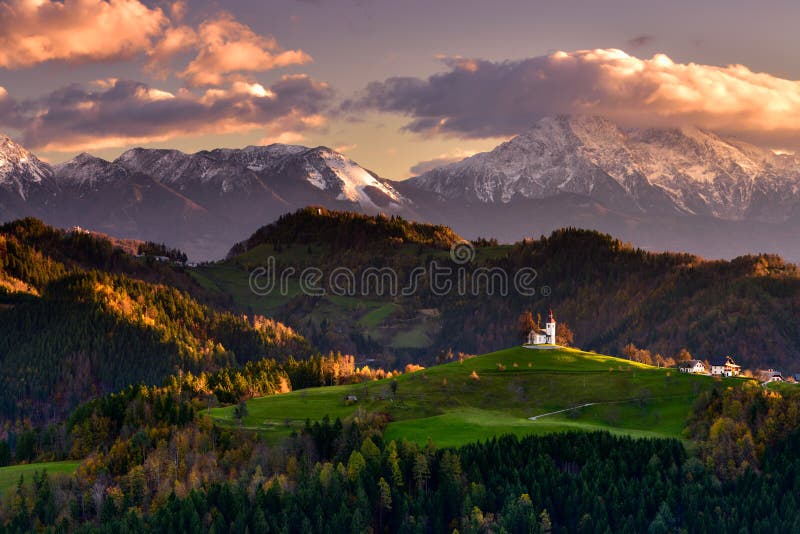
337, 174
20, 171
250, 168
683, 170
258, 158
88, 172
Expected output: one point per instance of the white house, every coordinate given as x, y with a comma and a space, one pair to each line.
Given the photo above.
724, 366
692, 366
546, 337
770, 375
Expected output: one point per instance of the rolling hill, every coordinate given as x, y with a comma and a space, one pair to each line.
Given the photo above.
495, 394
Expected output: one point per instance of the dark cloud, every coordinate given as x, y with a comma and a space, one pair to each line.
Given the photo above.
9, 111
125, 112
641, 40
476, 98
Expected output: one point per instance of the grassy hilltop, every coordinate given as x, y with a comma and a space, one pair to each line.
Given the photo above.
496, 394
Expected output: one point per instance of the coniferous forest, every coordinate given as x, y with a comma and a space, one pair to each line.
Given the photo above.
112, 363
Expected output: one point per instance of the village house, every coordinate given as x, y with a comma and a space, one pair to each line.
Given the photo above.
537, 336
769, 375
724, 366
692, 366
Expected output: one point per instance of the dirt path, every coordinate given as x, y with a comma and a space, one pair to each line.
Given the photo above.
535, 417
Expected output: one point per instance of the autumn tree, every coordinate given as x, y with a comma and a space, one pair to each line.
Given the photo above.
526, 324
564, 335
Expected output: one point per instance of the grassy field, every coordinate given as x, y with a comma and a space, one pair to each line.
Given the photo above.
496, 394
9, 476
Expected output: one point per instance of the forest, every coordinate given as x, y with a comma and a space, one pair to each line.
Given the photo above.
155, 464
86, 319
610, 293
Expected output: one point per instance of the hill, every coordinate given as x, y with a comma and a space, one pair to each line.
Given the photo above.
346, 231
608, 292
80, 318
496, 394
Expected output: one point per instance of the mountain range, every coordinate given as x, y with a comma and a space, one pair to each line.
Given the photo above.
662, 189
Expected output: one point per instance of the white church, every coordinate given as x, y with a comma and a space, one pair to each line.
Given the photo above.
546, 337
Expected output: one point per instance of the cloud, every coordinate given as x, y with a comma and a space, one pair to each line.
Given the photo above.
226, 46
9, 114
345, 147
74, 31
478, 99
127, 112
174, 41
35, 31
641, 40
443, 159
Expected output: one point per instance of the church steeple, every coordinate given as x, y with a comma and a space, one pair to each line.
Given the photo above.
550, 329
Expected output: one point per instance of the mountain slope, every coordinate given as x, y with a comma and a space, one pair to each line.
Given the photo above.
687, 170
74, 325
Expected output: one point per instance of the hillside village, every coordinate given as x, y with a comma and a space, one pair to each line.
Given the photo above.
717, 366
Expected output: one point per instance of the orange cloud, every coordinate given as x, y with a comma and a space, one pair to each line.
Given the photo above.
35, 31
731, 98
175, 40
227, 46
481, 99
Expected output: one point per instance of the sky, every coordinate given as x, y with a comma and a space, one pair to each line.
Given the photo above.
399, 86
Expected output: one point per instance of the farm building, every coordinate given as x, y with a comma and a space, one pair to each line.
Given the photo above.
725, 366
692, 366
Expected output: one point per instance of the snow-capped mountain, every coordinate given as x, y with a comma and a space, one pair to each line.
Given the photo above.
87, 173
22, 175
255, 169
677, 189
200, 202
666, 171
342, 178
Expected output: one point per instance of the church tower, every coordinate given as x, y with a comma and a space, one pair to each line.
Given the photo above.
550, 329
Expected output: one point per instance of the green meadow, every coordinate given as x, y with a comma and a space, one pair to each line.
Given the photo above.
496, 394
9, 476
